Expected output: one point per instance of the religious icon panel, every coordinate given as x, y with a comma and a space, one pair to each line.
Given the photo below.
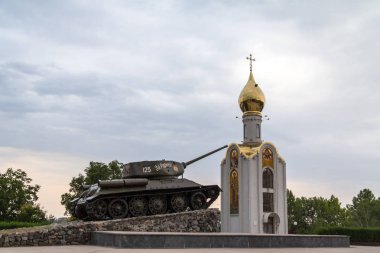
267, 158
234, 192
234, 182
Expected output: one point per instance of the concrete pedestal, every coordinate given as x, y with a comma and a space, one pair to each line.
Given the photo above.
212, 240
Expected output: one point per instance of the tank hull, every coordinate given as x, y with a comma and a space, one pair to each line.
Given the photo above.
131, 198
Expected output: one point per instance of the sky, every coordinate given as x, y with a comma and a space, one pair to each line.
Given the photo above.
85, 81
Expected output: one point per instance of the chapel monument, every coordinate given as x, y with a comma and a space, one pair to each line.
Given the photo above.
253, 174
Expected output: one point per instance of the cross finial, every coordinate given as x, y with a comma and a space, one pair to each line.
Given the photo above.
250, 61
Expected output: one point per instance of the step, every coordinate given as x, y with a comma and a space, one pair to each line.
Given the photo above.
158, 240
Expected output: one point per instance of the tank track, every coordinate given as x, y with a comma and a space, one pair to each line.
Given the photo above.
147, 203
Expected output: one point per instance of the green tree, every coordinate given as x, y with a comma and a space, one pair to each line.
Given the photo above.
365, 209
293, 212
15, 193
92, 174
377, 213
100, 171
307, 215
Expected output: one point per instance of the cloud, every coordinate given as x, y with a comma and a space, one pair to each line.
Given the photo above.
148, 80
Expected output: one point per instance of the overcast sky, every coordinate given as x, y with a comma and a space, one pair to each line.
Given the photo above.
85, 81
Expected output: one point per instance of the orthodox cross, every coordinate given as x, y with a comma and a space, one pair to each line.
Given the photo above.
250, 61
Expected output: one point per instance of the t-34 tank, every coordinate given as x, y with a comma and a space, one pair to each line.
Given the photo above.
147, 188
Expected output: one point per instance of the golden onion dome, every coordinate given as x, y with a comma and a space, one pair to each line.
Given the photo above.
251, 98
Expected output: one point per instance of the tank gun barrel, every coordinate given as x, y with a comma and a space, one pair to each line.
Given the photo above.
203, 156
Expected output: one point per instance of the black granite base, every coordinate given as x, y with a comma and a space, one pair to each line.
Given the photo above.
213, 240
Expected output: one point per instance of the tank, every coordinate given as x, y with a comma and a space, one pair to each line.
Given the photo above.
146, 188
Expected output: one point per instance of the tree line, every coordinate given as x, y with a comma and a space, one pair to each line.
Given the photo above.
309, 215
18, 201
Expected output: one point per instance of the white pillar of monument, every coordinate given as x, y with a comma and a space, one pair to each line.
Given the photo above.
253, 174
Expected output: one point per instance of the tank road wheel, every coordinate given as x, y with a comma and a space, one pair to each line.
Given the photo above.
157, 205
118, 208
198, 201
138, 206
79, 212
99, 209
213, 193
179, 203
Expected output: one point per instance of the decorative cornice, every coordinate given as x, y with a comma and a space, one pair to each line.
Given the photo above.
251, 113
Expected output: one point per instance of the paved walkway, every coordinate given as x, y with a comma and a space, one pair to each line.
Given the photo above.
97, 249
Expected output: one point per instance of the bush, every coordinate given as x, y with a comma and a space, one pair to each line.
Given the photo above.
20, 224
31, 213
357, 234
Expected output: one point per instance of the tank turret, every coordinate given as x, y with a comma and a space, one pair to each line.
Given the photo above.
161, 168
146, 188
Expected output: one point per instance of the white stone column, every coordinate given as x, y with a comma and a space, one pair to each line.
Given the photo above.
252, 128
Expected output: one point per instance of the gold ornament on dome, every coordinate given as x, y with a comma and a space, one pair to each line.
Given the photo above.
251, 98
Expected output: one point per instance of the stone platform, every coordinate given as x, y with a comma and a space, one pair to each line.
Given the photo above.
79, 232
155, 240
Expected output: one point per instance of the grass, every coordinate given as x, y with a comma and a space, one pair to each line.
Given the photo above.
20, 224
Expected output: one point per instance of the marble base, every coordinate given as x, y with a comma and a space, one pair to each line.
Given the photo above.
213, 240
